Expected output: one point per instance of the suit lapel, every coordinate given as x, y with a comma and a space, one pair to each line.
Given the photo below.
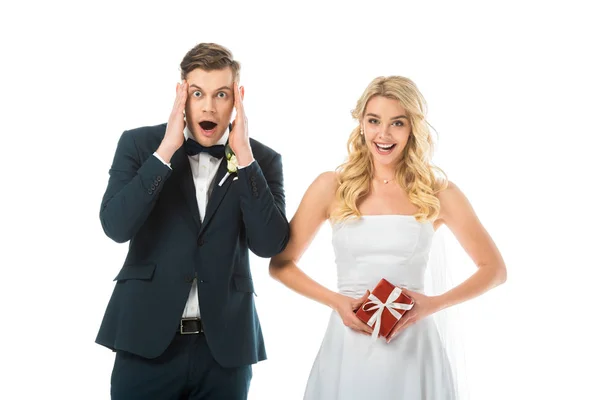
218, 192
181, 164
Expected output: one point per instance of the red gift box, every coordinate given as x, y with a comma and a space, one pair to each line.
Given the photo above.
384, 308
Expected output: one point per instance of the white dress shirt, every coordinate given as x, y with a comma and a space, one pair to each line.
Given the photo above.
204, 168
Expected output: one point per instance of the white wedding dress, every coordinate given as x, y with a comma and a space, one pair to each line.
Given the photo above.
349, 365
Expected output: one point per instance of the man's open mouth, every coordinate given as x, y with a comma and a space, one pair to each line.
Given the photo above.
208, 125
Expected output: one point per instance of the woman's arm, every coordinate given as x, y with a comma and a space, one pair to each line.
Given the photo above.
456, 212
312, 212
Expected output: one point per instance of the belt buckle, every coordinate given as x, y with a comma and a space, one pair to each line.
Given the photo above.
188, 319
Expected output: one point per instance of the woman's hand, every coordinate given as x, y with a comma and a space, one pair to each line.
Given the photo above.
423, 307
345, 307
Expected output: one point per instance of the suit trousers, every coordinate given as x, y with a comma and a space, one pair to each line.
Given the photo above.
186, 370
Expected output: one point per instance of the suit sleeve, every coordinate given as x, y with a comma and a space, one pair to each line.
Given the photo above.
132, 191
263, 207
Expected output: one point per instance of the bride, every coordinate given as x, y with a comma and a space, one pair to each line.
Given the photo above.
385, 203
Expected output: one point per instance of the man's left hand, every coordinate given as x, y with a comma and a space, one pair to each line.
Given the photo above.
239, 141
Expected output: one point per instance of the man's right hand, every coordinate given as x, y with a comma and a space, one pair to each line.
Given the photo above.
174, 136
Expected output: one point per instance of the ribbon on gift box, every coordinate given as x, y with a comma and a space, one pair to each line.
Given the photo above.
377, 304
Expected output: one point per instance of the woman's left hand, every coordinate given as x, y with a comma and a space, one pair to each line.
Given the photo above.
423, 307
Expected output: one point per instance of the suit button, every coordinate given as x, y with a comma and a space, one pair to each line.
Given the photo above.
200, 241
149, 191
189, 279
158, 178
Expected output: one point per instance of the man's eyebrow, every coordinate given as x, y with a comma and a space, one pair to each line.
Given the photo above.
219, 89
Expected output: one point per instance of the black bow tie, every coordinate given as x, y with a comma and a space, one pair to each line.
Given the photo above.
192, 148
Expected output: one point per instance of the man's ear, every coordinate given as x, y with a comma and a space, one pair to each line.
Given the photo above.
242, 90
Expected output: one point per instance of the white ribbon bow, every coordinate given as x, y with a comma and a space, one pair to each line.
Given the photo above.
380, 306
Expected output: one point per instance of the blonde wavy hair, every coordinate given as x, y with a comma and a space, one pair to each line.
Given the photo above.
415, 172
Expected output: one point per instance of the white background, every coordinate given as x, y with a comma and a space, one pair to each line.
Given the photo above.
512, 89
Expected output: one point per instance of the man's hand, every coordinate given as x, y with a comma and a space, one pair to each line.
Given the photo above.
239, 141
174, 136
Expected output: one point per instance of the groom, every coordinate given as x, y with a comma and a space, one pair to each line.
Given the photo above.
181, 317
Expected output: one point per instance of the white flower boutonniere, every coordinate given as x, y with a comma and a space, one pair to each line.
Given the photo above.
232, 163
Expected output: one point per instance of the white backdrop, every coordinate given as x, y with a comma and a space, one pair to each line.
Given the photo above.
513, 93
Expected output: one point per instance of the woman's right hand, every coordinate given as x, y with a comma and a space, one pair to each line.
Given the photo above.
345, 307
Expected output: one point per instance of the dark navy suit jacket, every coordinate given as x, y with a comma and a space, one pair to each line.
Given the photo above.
155, 209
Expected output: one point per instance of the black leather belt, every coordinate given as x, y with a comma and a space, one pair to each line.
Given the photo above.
190, 326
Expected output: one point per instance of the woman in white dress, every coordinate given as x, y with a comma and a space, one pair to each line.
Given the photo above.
385, 203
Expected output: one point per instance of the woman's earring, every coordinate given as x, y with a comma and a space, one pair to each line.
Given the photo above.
361, 131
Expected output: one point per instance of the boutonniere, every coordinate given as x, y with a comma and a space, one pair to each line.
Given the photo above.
232, 163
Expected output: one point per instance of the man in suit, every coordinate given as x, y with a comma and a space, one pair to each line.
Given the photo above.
182, 318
